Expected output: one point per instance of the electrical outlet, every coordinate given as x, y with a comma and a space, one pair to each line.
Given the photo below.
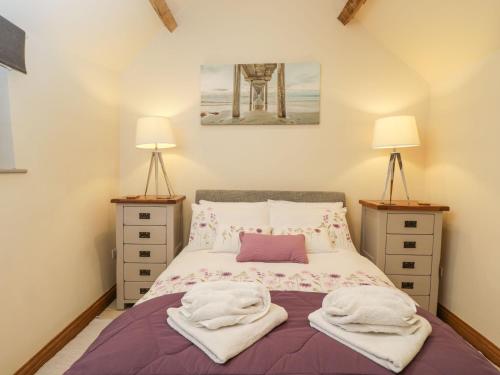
113, 253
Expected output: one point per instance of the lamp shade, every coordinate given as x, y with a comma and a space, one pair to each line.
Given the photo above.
154, 133
395, 131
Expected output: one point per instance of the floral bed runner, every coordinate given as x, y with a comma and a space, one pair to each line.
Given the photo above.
324, 273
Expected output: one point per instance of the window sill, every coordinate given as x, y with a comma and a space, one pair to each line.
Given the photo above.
14, 170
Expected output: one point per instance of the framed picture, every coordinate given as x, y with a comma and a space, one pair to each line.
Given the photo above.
260, 94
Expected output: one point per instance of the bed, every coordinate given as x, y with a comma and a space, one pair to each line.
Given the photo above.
141, 342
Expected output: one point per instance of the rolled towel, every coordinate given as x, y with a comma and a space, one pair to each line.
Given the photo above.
224, 343
225, 303
369, 308
393, 352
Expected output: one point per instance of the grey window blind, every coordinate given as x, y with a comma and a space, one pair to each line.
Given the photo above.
12, 42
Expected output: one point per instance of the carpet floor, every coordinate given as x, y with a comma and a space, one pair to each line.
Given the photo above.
63, 360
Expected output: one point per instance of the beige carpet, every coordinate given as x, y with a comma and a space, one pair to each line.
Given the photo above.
76, 347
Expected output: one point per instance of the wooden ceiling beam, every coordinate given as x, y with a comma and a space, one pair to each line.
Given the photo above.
161, 8
350, 10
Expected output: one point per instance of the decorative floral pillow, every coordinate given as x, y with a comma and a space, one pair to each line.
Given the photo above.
332, 219
203, 228
317, 239
227, 238
336, 223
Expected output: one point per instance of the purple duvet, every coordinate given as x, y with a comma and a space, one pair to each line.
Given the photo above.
141, 342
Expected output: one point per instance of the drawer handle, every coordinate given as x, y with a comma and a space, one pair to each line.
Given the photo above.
410, 223
144, 216
407, 285
410, 244
144, 272
408, 264
143, 290
144, 234
145, 254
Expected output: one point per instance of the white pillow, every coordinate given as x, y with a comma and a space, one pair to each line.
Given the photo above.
334, 220
227, 238
240, 213
207, 215
203, 228
317, 239
332, 205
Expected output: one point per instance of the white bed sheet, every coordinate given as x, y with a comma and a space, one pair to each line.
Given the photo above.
324, 272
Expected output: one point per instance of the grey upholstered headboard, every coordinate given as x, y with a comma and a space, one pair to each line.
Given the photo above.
264, 195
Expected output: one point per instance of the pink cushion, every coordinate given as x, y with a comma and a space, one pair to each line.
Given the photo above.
269, 248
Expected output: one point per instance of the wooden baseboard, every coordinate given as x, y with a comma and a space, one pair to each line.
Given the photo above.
481, 343
67, 334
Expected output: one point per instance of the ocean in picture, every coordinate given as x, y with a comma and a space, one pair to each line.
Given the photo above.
260, 94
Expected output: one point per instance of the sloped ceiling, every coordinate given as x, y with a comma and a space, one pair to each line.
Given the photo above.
437, 38
108, 32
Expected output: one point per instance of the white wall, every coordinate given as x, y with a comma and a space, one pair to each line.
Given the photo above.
56, 221
463, 172
360, 81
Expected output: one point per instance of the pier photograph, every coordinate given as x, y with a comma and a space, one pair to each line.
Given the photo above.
260, 94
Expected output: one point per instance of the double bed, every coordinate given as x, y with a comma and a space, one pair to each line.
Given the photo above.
141, 342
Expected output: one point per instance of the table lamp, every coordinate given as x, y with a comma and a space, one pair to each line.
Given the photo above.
395, 132
155, 133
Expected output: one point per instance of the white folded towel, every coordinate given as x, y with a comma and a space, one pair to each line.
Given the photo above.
393, 352
224, 343
369, 308
225, 303
364, 328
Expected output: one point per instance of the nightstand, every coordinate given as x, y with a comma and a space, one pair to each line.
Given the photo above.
148, 237
404, 240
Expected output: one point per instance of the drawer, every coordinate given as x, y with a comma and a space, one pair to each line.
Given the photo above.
144, 215
410, 223
423, 301
142, 271
139, 234
413, 285
415, 244
135, 290
145, 253
408, 265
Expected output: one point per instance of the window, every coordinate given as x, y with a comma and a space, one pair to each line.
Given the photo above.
6, 145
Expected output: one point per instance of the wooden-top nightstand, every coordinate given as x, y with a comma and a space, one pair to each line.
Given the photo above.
404, 240
148, 237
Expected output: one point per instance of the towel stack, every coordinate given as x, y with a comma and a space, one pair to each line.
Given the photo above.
223, 318
221, 304
371, 309
379, 322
